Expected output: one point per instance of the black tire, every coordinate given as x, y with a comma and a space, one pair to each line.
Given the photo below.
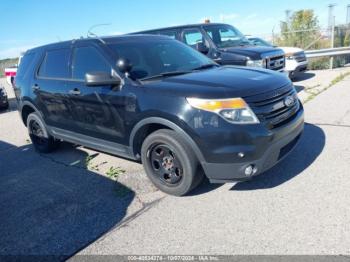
170, 163
43, 142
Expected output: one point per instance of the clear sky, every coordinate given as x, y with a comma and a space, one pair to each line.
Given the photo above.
28, 23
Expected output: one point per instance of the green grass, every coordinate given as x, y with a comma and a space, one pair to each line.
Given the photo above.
332, 83
114, 172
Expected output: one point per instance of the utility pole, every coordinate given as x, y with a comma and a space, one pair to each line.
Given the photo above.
331, 24
348, 14
332, 42
287, 15
330, 15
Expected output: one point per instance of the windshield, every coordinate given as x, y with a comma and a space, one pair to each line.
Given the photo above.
226, 36
259, 42
159, 57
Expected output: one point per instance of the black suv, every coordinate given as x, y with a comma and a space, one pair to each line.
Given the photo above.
156, 100
225, 45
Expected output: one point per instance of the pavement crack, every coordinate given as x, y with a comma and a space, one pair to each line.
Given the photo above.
334, 125
62, 163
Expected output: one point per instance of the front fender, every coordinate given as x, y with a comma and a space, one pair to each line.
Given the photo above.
169, 124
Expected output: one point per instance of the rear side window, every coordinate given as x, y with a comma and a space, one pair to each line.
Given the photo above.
88, 59
55, 64
171, 34
192, 37
26, 62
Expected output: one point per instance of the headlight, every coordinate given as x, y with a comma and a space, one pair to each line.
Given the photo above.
233, 110
289, 56
256, 63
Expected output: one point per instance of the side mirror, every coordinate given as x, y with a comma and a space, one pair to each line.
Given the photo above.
202, 48
124, 65
101, 79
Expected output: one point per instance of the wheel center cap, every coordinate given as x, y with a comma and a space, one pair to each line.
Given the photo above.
168, 163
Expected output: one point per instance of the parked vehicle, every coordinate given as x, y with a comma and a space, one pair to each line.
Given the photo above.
156, 100
10, 72
4, 103
224, 44
296, 61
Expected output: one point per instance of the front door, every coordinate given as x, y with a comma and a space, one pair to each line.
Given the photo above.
99, 111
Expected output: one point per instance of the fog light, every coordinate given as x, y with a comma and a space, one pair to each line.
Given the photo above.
248, 170
255, 170
241, 154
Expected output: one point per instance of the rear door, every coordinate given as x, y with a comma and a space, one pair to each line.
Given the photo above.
50, 87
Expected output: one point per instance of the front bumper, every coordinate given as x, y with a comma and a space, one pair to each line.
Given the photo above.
283, 140
294, 67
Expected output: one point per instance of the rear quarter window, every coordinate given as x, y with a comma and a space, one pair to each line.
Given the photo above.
26, 63
55, 64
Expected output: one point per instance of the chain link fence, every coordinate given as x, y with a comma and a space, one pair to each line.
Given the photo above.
315, 39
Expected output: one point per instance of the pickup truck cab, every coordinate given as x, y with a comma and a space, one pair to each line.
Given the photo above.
158, 101
224, 44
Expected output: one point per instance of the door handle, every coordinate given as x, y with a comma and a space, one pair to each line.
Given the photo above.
35, 87
75, 91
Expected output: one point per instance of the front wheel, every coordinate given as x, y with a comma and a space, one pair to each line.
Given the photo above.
170, 163
42, 141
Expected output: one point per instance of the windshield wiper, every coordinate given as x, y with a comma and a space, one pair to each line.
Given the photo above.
165, 74
206, 66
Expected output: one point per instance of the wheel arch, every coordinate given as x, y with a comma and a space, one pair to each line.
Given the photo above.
148, 125
26, 109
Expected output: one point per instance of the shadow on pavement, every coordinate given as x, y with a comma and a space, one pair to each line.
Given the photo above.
299, 88
204, 187
52, 208
305, 153
303, 76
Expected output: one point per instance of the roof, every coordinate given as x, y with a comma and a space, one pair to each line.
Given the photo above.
107, 39
178, 27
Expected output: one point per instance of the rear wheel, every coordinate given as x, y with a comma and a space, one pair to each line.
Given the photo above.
170, 163
42, 141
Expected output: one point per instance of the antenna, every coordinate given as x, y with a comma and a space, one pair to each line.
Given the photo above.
92, 34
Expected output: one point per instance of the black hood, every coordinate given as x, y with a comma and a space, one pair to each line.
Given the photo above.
221, 82
254, 52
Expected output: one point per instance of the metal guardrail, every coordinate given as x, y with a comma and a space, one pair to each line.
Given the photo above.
328, 52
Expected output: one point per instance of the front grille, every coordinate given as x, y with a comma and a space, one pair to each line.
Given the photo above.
272, 108
275, 62
300, 57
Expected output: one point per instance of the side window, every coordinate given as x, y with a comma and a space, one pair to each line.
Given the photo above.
26, 62
55, 64
171, 34
88, 59
192, 37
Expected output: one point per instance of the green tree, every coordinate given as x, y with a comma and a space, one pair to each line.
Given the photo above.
301, 30
347, 39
